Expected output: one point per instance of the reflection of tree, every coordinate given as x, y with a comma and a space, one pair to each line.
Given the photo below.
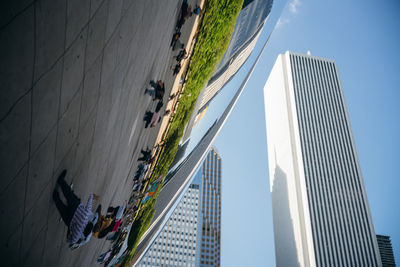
285, 245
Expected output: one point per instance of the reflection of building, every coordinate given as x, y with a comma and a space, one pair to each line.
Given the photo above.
224, 74
191, 236
182, 174
176, 245
386, 250
210, 236
321, 213
248, 26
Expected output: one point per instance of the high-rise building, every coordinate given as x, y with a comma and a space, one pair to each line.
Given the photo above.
191, 235
176, 245
320, 210
386, 250
210, 236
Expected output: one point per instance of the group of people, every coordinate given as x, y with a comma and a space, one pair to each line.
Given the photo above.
110, 254
146, 160
179, 57
184, 13
82, 223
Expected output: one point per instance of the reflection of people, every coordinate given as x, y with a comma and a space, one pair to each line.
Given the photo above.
175, 38
158, 90
146, 155
147, 118
181, 55
155, 119
197, 10
176, 69
105, 256
79, 219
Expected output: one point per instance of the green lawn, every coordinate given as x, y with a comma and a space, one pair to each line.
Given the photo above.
213, 39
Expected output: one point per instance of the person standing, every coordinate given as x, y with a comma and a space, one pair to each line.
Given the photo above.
79, 219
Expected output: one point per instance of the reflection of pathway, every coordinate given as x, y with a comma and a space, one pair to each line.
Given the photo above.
73, 78
133, 129
176, 85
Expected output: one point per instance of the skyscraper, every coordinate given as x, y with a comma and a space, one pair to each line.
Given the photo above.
320, 209
176, 245
191, 235
210, 237
386, 250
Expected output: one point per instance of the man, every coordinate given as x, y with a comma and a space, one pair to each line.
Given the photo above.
79, 219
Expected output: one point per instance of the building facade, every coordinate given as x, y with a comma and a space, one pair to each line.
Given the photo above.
386, 251
176, 245
210, 235
191, 235
320, 210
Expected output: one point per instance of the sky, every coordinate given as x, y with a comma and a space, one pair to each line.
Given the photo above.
363, 37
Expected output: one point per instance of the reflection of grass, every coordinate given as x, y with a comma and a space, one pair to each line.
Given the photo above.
141, 224
213, 39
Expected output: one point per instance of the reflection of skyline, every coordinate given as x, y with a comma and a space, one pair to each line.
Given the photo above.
248, 26
249, 21
218, 104
184, 173
193, 228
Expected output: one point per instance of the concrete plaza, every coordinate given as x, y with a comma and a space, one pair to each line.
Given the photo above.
73, 74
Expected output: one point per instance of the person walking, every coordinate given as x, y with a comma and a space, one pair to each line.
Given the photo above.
79, 219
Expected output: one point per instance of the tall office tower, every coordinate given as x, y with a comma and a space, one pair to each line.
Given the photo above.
386, 250
320, 209
210, 236
176, 245
191, 235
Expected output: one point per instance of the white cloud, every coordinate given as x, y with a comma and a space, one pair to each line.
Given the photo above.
281, 22
293, 9
294, 5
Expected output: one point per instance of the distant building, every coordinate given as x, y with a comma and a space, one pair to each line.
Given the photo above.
386, 250
320, 210
191, 235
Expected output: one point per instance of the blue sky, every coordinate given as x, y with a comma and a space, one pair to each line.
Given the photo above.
363, 37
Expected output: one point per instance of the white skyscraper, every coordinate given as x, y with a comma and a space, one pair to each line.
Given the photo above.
320, 209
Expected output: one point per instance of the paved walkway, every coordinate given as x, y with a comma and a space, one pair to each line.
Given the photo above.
73, 75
